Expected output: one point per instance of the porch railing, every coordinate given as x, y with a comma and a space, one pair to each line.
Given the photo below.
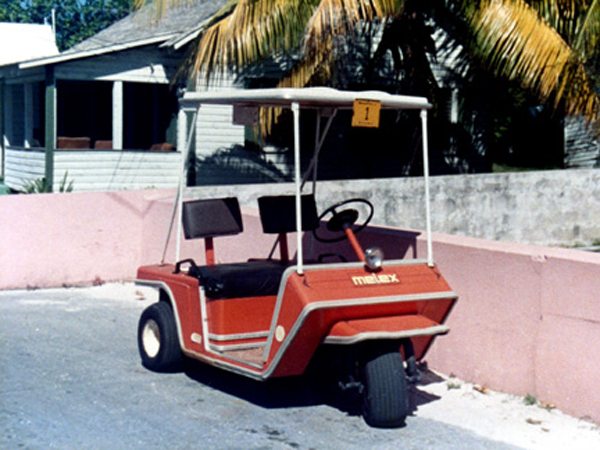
93, 169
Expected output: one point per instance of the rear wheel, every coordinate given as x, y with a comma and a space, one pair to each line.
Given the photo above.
385, 397
158, 343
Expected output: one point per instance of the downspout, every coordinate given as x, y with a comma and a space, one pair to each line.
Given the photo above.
50, 135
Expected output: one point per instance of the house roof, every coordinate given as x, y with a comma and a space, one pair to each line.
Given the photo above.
34, 41
143, 27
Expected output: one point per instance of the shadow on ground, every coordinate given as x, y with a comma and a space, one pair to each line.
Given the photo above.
311, 389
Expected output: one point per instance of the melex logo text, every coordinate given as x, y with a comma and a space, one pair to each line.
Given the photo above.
376, 279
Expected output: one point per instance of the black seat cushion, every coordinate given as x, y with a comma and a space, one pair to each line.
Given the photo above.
249, 279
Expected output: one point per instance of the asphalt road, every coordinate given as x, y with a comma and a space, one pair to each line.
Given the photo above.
71, 378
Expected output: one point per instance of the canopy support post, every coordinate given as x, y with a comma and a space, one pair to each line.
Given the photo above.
298, 182
184, 144
427, 193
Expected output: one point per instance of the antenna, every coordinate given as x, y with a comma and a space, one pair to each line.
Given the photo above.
54, 22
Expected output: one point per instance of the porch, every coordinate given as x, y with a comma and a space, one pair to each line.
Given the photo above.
107, 120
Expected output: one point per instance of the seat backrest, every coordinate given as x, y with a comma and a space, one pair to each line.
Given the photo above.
211, 218
278, 216
278, 213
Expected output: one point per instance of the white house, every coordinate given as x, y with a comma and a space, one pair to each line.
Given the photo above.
103, 112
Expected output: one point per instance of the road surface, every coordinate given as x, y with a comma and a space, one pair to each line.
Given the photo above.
71, 378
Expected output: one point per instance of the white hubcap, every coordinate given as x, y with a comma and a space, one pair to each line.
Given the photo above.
151, 338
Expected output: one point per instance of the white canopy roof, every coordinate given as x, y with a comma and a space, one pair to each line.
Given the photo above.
296, 99
316, 97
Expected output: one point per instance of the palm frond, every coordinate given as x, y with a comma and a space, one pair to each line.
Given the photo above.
161, 5
339, 17
520, 43
587, 38
249, 30
513, 40
577, 21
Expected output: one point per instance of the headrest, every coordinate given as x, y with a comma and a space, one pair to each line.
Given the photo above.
211, 218
278, 213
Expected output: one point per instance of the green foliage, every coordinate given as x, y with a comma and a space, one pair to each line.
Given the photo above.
41, 186
530, 400
38, 186
452, 385
4, 190
76, 20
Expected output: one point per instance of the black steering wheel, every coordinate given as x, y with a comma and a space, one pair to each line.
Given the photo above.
341, 220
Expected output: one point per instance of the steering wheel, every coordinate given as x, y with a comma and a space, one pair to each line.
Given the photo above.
341, 220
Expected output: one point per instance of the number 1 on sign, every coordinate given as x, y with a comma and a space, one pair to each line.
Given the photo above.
366, 113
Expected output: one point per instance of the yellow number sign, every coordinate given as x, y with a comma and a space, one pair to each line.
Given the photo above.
366, 113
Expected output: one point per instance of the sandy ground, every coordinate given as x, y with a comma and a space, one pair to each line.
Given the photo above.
507, 418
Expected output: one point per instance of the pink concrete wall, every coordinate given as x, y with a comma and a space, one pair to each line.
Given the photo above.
527, 320
52, 240
63, 239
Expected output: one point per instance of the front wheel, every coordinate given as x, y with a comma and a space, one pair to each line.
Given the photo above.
157, 339
385, 396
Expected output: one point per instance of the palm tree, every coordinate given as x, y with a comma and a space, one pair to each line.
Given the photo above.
246, 31
549, 46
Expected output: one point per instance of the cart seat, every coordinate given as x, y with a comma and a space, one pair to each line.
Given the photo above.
278, 216
261, 277
278, 213
211, 218
247, 279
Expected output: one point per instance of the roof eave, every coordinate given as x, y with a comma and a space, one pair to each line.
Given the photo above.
180, 40
65, 57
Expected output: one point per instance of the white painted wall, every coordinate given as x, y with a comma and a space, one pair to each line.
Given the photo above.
96, 170
214, 127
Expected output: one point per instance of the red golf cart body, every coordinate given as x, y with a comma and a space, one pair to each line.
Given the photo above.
267, 318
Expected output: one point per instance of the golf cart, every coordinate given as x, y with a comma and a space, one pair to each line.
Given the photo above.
267, 318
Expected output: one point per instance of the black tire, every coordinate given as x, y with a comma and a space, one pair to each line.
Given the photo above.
158, 342
385, 396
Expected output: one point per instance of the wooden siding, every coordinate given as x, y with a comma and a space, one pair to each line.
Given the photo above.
582, 149
215, 131
222, 157
219, 147
22, 166
96, 170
